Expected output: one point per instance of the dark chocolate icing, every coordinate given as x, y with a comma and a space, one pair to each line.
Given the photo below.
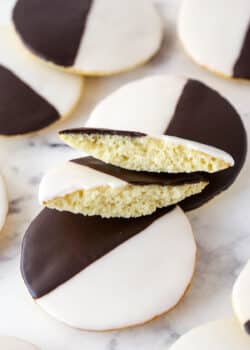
142, 177
242, 65
58, 245
247, 327
52, 29
203, 115
100, 131
22, 110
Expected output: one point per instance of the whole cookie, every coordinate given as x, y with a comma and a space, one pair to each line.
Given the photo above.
100, 274
10, 343
241, 297
167, 107
219, 335
216, 34
92, 37
3, 202
33, 96
89, 186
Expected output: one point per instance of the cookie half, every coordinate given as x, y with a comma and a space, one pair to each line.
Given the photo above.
175, 124
91, 187
106, 277
4, 202
216, 34
91, 37
10, 343
33, 96
219, 335
241, 297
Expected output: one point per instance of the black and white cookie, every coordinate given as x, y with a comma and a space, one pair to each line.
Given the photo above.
33, 96
101, 274
91, 187
241, 298
219, 335
3, 202
10, 343
91, 37
167, 124
216, 34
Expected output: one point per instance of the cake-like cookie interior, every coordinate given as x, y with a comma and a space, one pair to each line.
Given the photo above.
91, 187
148, 153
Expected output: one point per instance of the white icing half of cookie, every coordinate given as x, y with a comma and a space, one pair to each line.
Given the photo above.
213, 32
119, 35
60, 89
81, 189
219, 335
3, 202
11, 343
71, 177
137, 281
241, 297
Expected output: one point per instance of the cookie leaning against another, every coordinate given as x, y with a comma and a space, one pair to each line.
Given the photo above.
91, 187
100, 274
90, 37
216, 34
167, 124
33, 96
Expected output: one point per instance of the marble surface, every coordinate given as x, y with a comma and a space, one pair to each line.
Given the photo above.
221, 227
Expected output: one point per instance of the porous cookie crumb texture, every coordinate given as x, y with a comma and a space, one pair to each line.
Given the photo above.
146, 153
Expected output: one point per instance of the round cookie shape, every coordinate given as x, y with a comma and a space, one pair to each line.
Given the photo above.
219, 335
106, 277
90, 37
216, 34
241, 297
3, 202
11, 343
162, 107
33, 96
89, 186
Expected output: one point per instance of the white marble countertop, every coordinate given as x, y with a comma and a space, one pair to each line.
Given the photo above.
221, 227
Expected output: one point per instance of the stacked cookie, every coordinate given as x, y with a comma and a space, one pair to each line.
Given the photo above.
225, 334
110, 250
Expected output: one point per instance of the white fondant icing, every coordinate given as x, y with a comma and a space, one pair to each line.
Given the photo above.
140, 279
119, 35
241, 295
70, 177
3, 202
147, 106
219, 335
213, 31
10, 343
60, 89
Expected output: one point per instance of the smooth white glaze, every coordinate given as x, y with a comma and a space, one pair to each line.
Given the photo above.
241, 295
119, 35
213, 31
3, 202
147, 106
70, 177
140, 279
10, 343
219, 335
60, 89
